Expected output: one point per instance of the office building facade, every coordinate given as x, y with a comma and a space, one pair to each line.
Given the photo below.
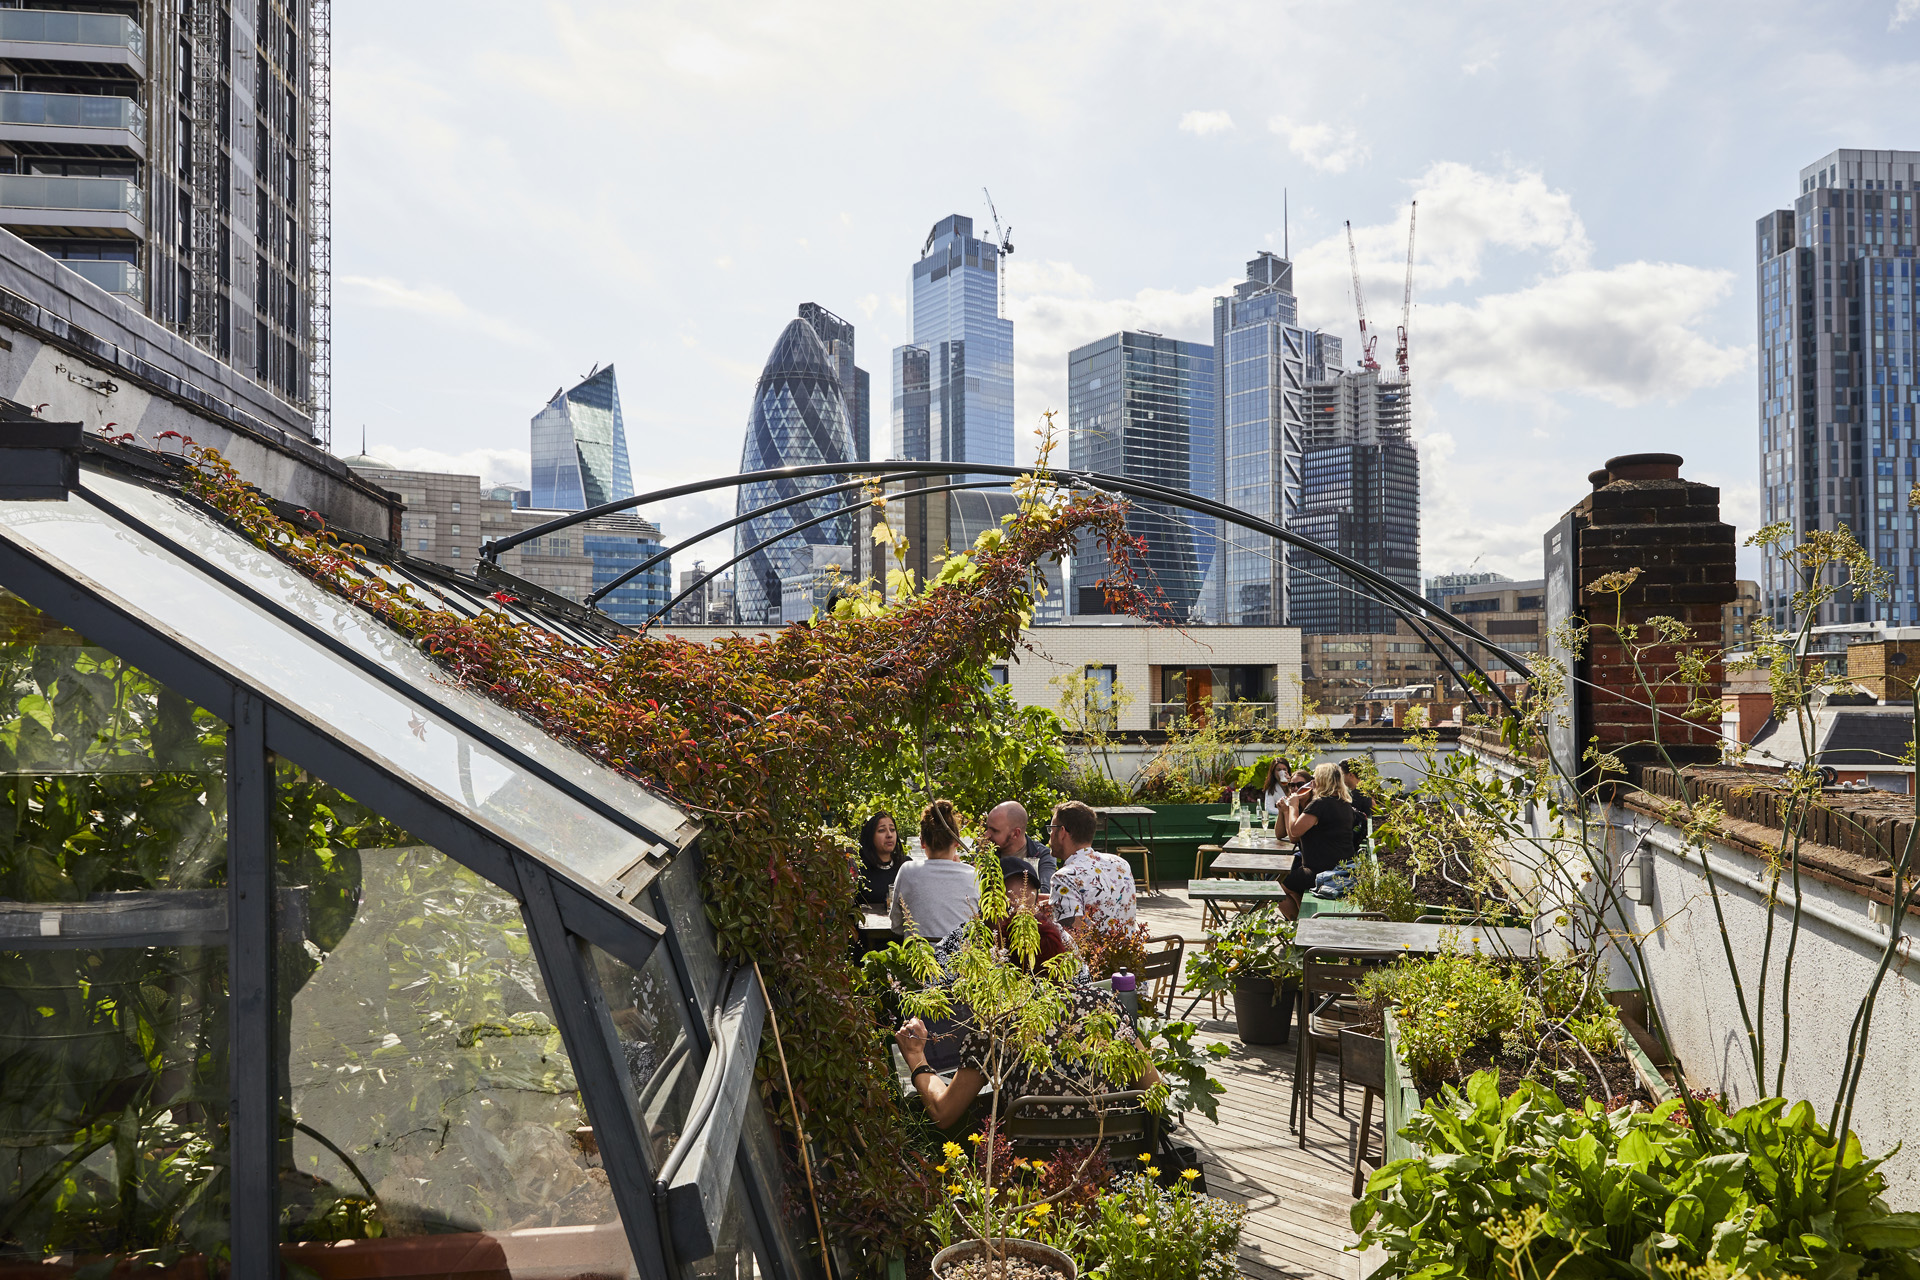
837, 336
171, 154
580, 446
1263, 361
1444, 586
1141, 406
953, 384
1838, 284
799, 417
1360, 497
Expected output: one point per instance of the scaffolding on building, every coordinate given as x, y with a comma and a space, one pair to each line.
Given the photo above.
320, 215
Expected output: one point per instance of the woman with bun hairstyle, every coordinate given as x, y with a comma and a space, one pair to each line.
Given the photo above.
932, 898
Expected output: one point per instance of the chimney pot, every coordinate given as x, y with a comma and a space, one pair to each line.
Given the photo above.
1598, 479
1645, 466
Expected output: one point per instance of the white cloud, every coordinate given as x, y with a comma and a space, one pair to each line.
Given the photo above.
493, 466
1904, 12
1326, 148
1206, 122
436, 303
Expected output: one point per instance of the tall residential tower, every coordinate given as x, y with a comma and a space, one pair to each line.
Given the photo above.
176, 155
953, 384
1141, 406
1838, 281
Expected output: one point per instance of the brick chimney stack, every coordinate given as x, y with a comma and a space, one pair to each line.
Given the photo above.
1642, 515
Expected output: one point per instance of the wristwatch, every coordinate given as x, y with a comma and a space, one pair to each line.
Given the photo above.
925, 1068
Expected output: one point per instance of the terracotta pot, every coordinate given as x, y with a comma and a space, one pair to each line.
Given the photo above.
1260, 1016
1040, 1253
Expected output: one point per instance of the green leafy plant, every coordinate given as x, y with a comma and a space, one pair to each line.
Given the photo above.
1183, 1067
1383, 889
1108, 946
1254, 945
1143, 1231
1443, 1005
1525, 1188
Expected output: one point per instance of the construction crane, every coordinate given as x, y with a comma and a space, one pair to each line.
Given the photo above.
1005, 240
1367, 340
1406, 304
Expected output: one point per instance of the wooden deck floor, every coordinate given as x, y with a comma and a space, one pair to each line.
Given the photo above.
1297, 1199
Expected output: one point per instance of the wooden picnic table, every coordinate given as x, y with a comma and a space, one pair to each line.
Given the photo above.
1242, 863
1212, 894
1116, 817
1391, 935
1260, 842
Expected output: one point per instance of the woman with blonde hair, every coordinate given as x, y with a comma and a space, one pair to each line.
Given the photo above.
934, 897
1320, 823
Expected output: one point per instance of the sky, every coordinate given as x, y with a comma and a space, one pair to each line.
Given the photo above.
524, 191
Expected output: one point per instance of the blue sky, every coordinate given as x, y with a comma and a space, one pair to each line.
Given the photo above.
521, 191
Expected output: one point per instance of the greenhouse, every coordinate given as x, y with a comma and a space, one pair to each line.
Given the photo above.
295, 925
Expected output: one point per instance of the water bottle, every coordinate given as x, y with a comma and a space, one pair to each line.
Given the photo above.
1126, 988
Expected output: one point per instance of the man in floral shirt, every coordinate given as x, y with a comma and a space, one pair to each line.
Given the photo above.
1088, 884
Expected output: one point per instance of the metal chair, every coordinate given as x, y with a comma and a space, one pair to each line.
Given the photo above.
1123, 1127
1363, 1060
1328, 978
1162, 969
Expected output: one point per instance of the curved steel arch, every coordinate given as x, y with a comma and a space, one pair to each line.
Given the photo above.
1381, 587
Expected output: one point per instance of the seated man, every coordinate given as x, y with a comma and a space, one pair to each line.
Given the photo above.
1088, 884
1361, 801
947, 1100
1006, 826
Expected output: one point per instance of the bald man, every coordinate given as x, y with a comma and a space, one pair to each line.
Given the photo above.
1006, 826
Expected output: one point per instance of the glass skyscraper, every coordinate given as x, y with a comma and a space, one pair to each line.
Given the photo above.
1263, 361
580, 447
1360, 496
953, 384
799, 417
1141, 406
1839, 285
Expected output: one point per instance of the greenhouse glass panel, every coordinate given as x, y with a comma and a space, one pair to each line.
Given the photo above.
662, 1060
433, 1107
113, 956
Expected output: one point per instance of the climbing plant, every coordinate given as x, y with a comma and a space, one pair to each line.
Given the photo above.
769, 739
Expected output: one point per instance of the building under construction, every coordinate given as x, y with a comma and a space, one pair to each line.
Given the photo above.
174, 153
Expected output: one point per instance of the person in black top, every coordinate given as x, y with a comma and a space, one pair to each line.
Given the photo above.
880, 859
1362, 802
1320, 820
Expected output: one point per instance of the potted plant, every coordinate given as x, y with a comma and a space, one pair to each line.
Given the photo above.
1252, 959
1028, 1015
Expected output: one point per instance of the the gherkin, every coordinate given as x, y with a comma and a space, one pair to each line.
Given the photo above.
799, 416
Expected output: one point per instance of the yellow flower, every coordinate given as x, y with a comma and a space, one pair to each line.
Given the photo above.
974, 1138
1146, 1157
1043, 1208
1039, 1166
1189, 1174
1141, 1218
954, 1190
953, 1151
939, 1168
1152, 1172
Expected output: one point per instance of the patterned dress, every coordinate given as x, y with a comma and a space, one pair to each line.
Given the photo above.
1062, 1079
1094, 886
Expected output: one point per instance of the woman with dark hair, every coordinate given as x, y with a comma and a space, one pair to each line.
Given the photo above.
880, 858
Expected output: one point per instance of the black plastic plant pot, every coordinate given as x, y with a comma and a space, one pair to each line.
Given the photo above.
1262, 1015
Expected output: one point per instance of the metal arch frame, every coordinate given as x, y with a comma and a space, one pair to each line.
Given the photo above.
1067, 477
804, 525
559, 914
627, 575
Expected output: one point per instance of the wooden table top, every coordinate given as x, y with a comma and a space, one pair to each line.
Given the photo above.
1259, 842
1124, 810
1270, 863
871, 922
1231, 890
1390, 935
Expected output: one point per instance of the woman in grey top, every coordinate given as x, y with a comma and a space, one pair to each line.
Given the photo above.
934, 897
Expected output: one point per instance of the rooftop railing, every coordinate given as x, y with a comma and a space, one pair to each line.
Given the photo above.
1246, 715
92, 195
45, 26
73, 110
